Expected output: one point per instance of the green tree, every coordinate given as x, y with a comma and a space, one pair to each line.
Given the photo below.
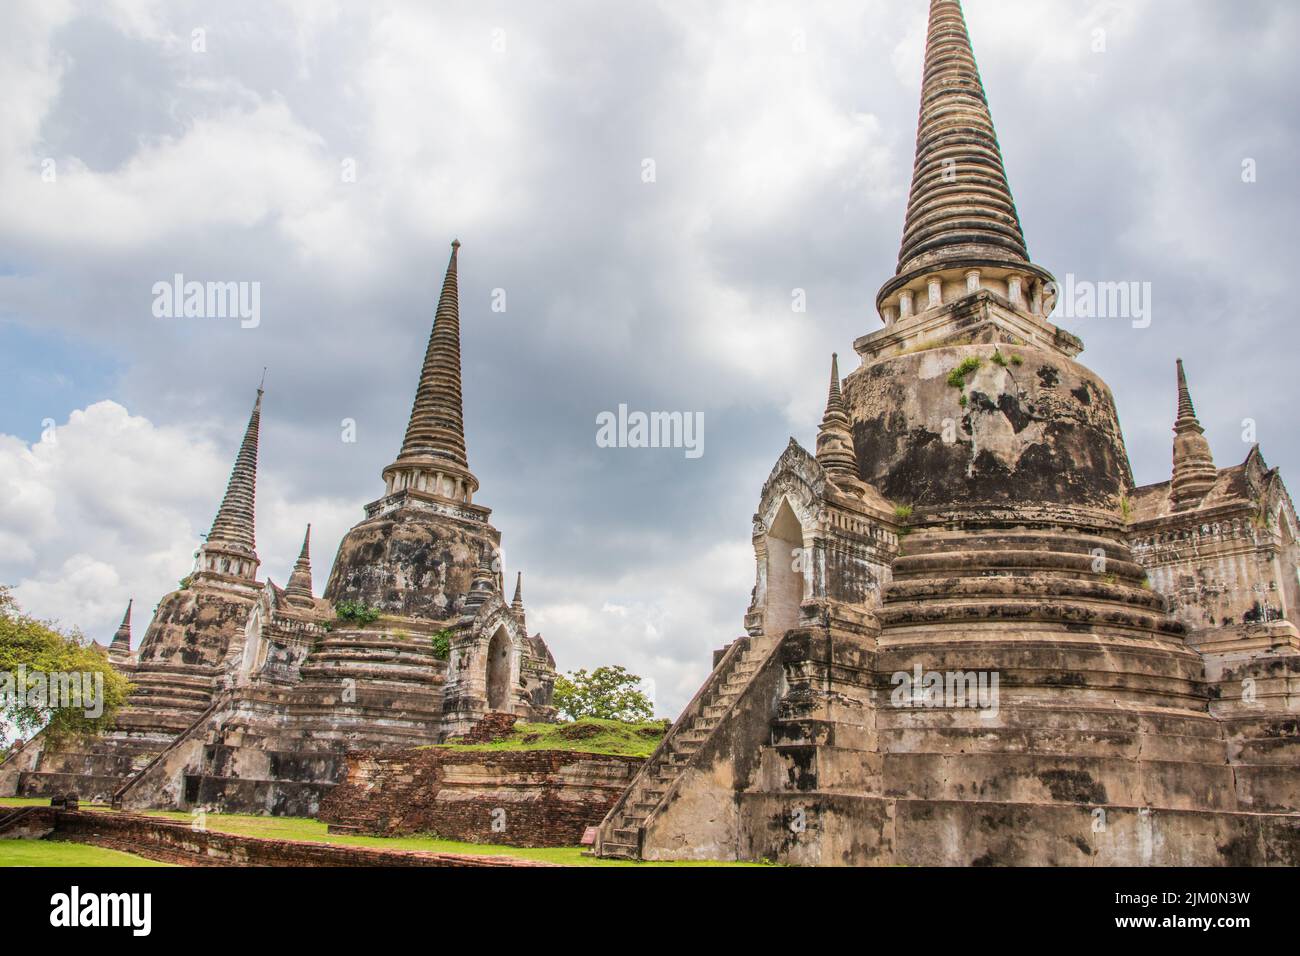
608, 693
42, 651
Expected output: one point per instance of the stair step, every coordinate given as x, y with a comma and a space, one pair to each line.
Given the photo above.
619, 851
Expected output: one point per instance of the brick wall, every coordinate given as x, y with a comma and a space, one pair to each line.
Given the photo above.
517, 798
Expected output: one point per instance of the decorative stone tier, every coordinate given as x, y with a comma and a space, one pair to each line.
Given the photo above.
267, 748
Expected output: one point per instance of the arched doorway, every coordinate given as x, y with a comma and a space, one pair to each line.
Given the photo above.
498, 671
785, 575
1289, 572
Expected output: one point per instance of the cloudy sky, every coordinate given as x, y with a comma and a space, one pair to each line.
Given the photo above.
330, 151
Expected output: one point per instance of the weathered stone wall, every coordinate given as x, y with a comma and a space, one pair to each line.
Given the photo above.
412, 562
197, 625
519, 798
1042, 430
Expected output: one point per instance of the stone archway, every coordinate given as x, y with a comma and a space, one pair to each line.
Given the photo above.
1289, 569
498, 672
785, 575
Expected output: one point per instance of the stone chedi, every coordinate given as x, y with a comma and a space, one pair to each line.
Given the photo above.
972, 641
250, 695
179, 663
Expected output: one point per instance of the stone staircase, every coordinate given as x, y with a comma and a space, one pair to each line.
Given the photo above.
186, 739
621, 831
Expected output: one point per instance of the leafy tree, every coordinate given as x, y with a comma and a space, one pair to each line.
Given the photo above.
607, 693
43, 651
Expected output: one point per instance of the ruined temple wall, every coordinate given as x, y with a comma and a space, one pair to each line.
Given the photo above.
1215, 574
519, 798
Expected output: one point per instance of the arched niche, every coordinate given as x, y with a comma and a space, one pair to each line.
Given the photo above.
498, 671
786, 578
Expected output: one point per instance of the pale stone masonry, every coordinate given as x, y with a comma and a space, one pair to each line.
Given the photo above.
973, 641
249, 695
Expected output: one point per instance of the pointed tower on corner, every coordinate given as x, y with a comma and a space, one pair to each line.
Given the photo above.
298, 590
120, 649
517, 603
835, 439
231, 548
1194, 469
433, 459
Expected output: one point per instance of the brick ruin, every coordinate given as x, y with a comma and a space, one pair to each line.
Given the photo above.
249, 696
972, 640
517, 798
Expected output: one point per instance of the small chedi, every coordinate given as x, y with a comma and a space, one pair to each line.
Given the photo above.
972, 640
249, 695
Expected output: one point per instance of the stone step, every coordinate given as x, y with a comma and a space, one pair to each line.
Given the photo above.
619, 851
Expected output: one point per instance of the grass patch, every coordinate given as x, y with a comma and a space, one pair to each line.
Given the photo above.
957, 378
62, 853
313, 831
588, 735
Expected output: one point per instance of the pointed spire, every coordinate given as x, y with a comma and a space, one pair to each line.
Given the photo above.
1186, 410
961, 208
1194, 469
517, 603
298, 590
835, 438
433, 457
233, 528
121, 645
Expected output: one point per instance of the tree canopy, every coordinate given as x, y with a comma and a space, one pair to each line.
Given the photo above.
608, 693
40, 666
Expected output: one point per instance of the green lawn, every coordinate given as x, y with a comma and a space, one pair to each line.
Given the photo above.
588, 735
37, 802
60, 853
301, 828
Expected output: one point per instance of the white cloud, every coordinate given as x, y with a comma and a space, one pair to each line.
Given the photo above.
109, 506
